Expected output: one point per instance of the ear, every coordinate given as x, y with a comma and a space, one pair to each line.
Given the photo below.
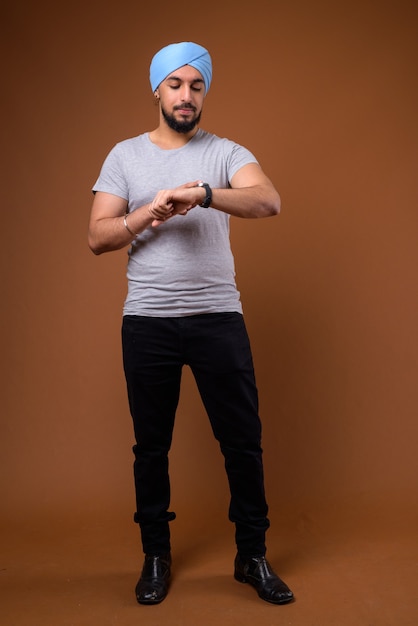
157, 94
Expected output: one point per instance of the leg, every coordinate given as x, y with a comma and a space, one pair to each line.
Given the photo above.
223, 369
153, 372
220, 358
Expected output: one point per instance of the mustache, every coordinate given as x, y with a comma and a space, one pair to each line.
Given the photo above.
185, 106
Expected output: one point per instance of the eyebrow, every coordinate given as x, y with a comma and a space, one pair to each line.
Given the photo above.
196, 80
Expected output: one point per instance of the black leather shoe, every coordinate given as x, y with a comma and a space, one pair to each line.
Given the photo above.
258, 572
152, 587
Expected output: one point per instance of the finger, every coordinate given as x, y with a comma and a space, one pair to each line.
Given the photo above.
190, 185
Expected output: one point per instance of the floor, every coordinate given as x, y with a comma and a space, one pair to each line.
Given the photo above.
83, 572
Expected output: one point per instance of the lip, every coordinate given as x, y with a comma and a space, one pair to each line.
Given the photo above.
185, 111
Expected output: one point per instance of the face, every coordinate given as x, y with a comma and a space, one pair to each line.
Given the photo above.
181, 97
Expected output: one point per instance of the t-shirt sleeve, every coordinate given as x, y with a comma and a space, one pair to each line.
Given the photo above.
238, 157
111, 178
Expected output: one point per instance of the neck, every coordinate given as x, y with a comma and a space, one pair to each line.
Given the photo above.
168, 139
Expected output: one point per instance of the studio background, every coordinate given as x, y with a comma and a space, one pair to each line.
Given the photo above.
325, 95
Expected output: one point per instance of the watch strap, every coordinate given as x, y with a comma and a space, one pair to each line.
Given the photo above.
208, 198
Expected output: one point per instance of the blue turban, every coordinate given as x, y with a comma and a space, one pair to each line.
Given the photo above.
170, 58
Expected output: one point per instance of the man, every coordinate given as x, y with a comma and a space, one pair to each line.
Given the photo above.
169, 194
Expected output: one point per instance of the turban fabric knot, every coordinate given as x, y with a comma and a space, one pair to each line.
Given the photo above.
170, 58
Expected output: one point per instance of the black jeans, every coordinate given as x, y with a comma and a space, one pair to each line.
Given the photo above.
217, 350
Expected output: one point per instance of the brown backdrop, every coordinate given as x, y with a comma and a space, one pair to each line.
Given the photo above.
326, 97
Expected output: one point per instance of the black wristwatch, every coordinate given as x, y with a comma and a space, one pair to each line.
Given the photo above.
206, 202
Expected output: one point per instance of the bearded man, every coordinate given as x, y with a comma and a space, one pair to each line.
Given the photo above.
168, 194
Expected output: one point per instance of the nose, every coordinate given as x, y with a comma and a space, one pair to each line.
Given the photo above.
186, 93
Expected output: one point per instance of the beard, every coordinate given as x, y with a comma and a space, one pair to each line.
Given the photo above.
181, 126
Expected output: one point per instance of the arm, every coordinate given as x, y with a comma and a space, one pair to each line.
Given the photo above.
110, 228
252, 194
107, 230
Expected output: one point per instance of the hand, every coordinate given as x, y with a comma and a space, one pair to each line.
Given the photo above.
178, 201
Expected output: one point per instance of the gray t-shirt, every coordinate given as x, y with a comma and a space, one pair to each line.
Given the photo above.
185, 266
